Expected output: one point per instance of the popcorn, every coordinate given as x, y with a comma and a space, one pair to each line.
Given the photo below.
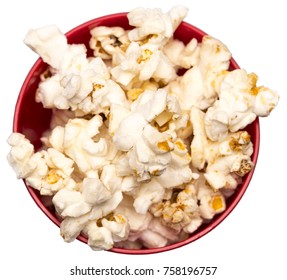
47, 171
144, 59
138, 222
180, 55
59, 170
107, 207
96, 199
222, 158
150, 152
102, 234
179, 211
146, 195
153, 21
49, 43
240, 102
106, 41
77, 82
211, 203
100, 238
196, 86
139, 63
118, 226
148, 158
152, 239
20, 154
138, 155
149, 231
94, 193
178, 171
70, 203
77, 140
71, 227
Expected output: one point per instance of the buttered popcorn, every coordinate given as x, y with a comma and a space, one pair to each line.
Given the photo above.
137, 155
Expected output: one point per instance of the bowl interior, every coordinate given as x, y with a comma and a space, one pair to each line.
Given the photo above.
32, 120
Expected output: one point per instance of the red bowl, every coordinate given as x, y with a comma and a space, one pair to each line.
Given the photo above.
31, 119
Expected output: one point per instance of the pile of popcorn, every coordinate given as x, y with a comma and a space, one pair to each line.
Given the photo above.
137, 155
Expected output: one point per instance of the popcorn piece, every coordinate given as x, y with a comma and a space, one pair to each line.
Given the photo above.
211, 202
106, 41
79, 145
178, 211
232, 155
129, 184
218, 174
158, 227
116, 115
106, 207
78, 142
124, 139
55, 138
153, 21
104, 94
20, 154
199, 141
149, 151
99, 238
149, 105
196, 86
181, 126
95, 192
70, 203
152, 239
139, 63
118, 226
49, 43
178, 171
71, 227
180, 55
137, 222
58, 173
150, 158
195, 223
146, 195
47, 171
108, 196
149, 231
104, 232
117, 229
240, 101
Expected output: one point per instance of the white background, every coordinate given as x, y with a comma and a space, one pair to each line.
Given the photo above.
249, 244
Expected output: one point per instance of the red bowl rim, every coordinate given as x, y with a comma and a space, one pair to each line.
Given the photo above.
193, 237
